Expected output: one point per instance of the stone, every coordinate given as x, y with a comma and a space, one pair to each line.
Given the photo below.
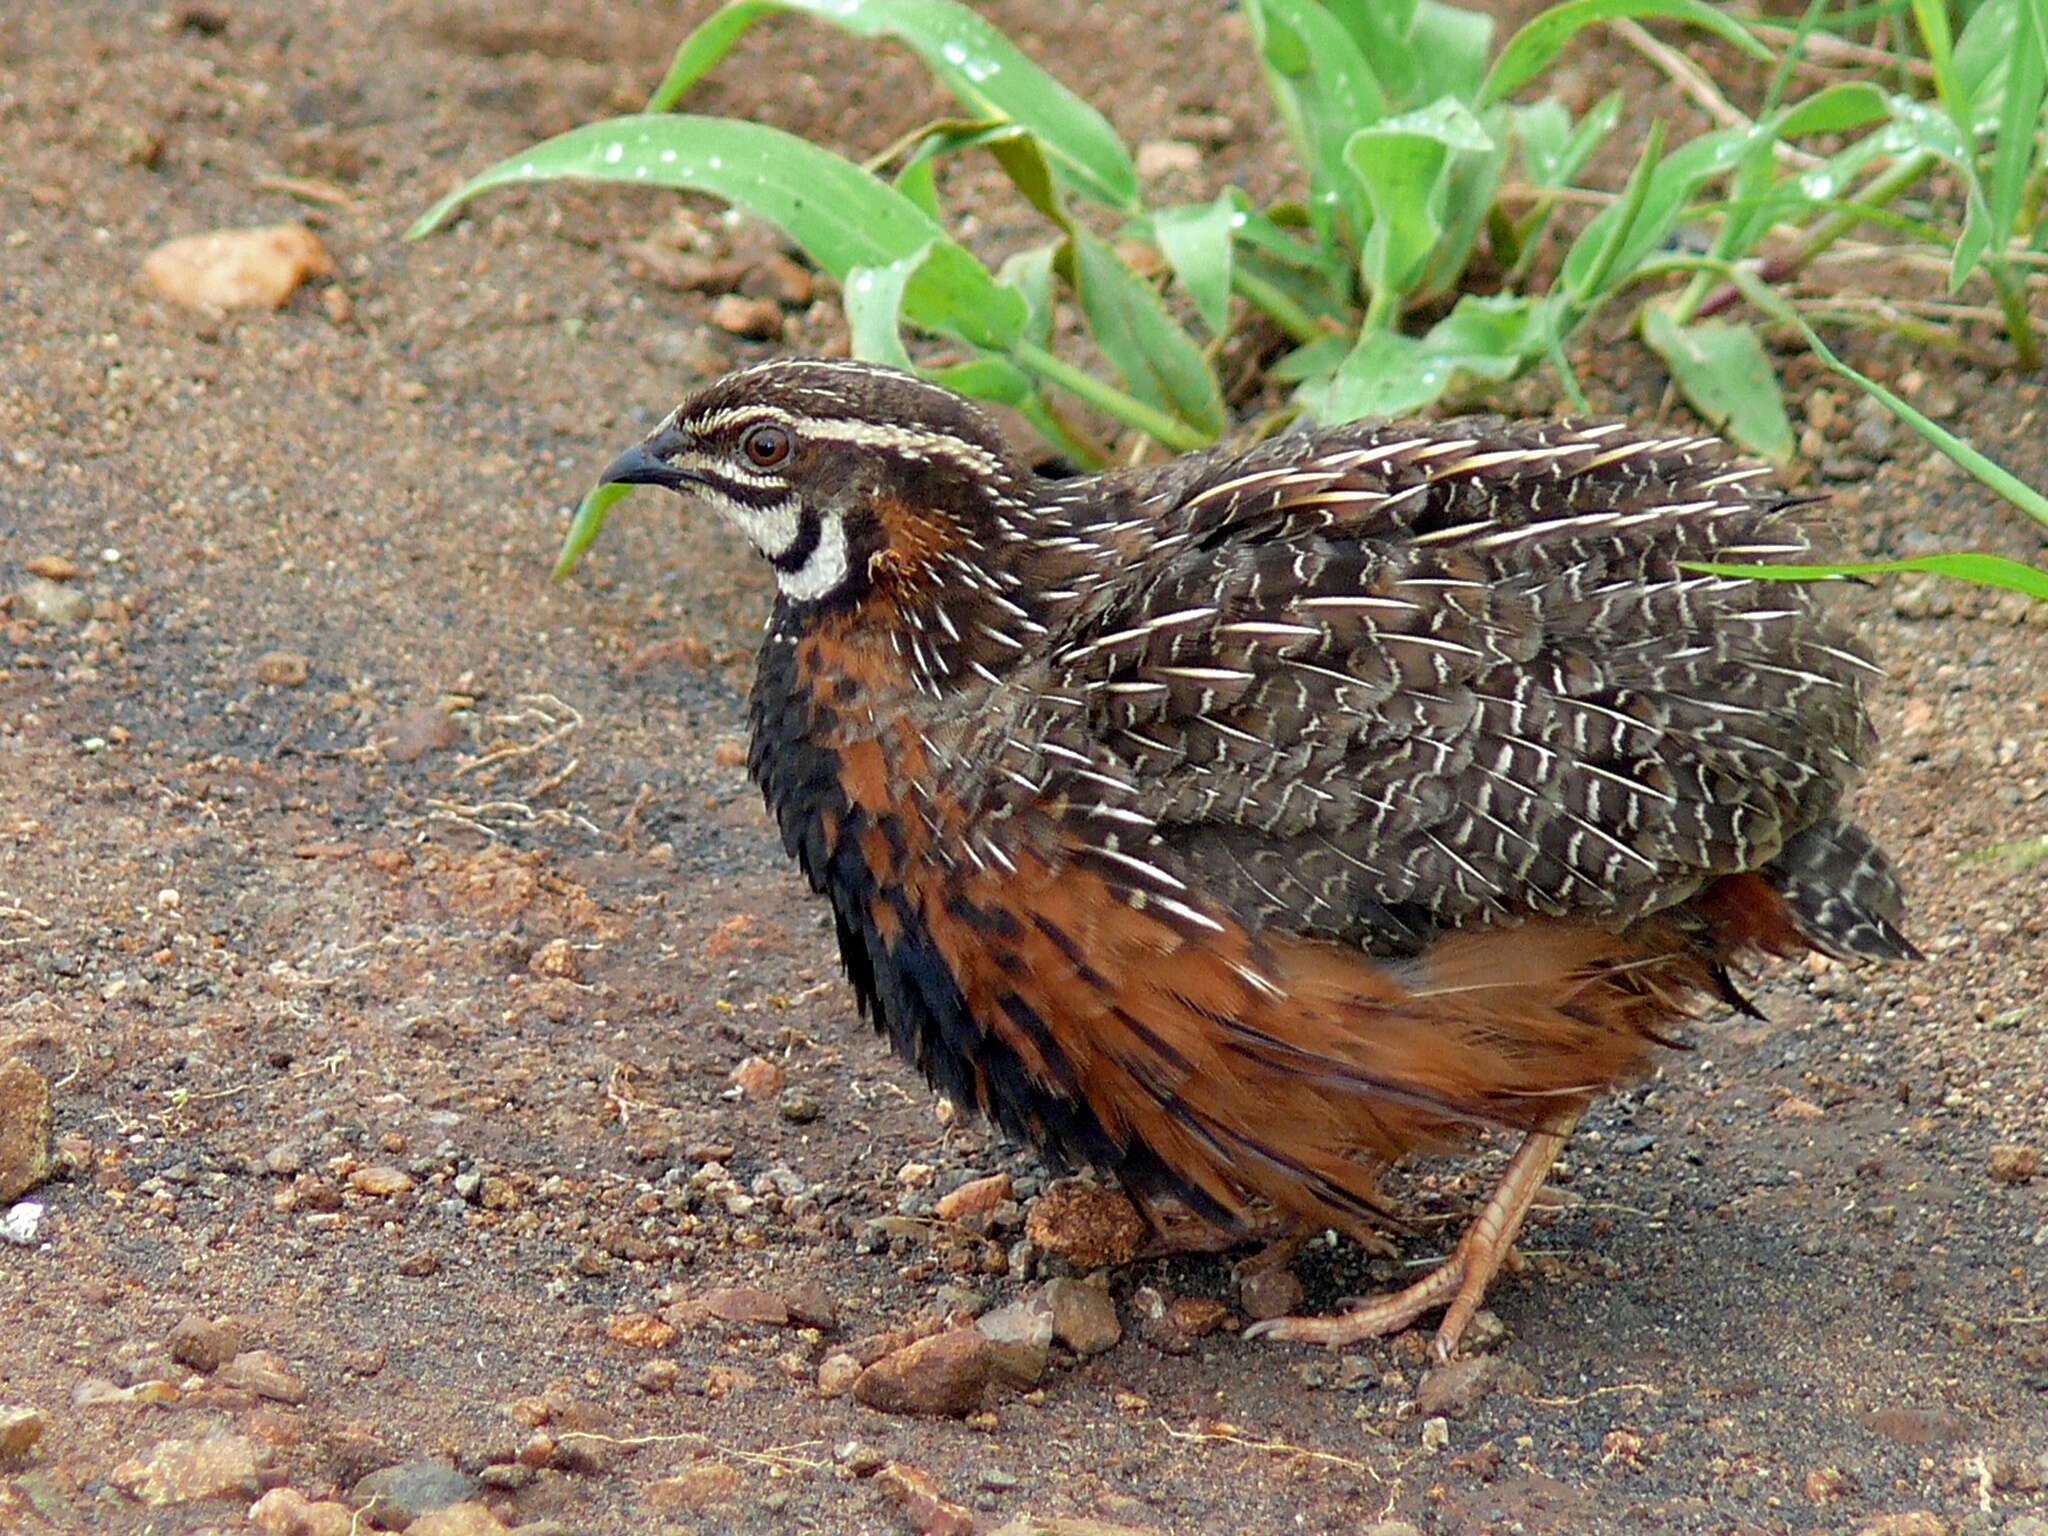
48, 602
759, 319
942, 1376
24, 1128
557, 959
287, 1512
185, 1471
380, 1181
1083, 1317
1183, 1320
1044, 1525
639, 1330
1913, 1522
52, 568
283, 669
925, 1509
394, 1498
757, 1078
457, 1520
1269, 1291
1090, 1228
1019, 1337
237, 268
1454, 1390
837, 1373
20, 1429
265, 1373
703, 1486
206, 1344
2012, 1164
1167, 157
976, 1197
22, 1224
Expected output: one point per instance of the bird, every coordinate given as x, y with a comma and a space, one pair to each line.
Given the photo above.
1238, 825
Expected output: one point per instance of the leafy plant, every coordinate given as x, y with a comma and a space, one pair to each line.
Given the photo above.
1416, 159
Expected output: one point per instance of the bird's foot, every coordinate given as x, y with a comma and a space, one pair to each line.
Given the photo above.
1459, 1283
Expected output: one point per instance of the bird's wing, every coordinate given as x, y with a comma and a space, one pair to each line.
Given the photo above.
1378, 683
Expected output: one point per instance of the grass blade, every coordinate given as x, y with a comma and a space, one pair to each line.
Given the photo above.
844, 217
1529, 52
585, 526
1979, 570
988, 73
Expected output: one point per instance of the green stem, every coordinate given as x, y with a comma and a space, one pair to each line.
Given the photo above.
2019, 325
1129, 410
1276, 306
1881, 189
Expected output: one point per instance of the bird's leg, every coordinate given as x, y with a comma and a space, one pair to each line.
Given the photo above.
1460, 1281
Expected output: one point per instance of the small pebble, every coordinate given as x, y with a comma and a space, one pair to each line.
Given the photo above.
942, 1376
283, 669
1083, 1316
757, 319
47, 602
757, 1078
395, 1497
2014, 1164
20, 1429
52, 568
1090, 1228
265, 1373
24, 1128
205, 1344
237, 268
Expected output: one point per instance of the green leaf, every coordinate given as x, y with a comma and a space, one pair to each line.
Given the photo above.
873, 300
1724, 373
1404, 165
1981, 570
585, 526
989, 74
1388, 374
2014, 147
1196, 241
1451, 44
1529, 52
1029, 273
1160, 364
1553, 151
1325, 91
842, 216
1381, 29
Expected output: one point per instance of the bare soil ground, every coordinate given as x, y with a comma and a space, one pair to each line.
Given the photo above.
392, 1013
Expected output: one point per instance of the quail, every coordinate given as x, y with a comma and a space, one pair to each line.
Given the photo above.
1238, 825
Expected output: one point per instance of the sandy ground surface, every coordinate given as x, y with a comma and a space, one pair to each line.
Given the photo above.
392, 925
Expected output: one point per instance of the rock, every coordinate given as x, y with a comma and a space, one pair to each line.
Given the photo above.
420, 730
205, 1344
1089, 1227
639, 1330
1083, 1317
925, 1509
798, 1107
557, 959
2025, 1525
52, 568
703, 1486
943, 1375
1269, 1291
265, 1373
733, 1304
287, 1512
760, 319
183, 1471
283, 669
1167, 157
974, 1198
393, 1498
1436, 1435
1019, 1339
1390, 1528
1044, 1525
1454, 1390
47, 602
2011, 1164
20, 1429
22, 1224
1915, 1522
24, 1128
1928, 599
757, 1078
380, 1181
1183, 1320
237, 268
457, 1520
837, 1374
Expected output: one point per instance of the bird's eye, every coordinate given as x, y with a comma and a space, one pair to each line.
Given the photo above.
767, 446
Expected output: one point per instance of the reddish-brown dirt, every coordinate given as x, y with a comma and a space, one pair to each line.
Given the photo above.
485, 898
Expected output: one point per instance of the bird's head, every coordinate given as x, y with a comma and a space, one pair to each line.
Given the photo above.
845, 476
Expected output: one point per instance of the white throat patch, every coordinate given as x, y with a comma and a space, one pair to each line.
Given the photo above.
826, 567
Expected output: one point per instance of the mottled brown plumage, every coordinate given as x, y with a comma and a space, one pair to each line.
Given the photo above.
1238, 825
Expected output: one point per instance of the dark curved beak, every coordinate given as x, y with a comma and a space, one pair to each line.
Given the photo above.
643, 464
